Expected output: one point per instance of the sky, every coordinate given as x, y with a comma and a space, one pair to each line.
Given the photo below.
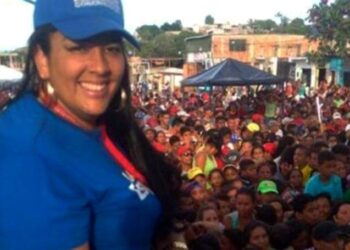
16, 15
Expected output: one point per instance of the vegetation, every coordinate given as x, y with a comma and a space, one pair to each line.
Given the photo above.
209, 20
329, 23
331, 28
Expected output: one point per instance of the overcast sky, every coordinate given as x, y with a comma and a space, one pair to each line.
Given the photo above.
16, 15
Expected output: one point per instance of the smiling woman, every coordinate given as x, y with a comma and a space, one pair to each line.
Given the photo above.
80, 171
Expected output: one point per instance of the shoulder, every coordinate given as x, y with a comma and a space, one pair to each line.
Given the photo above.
20, 122
315, 179
335, 179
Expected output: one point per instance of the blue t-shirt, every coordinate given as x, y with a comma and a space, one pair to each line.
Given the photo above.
60, 188
333, 187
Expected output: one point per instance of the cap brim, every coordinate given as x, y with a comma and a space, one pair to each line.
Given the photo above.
269, 190
83, 28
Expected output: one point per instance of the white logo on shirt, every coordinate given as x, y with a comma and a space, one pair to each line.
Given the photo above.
111, 4
141, 190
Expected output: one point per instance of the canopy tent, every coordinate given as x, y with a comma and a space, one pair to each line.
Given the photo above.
231, 72
9, 76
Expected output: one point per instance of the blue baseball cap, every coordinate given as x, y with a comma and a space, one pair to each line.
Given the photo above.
81, 19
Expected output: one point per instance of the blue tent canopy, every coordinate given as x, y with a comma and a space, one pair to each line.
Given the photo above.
231, 72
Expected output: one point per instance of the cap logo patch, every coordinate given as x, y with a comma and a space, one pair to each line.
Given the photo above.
114, 5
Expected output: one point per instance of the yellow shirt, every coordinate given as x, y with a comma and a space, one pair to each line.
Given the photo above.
306, 171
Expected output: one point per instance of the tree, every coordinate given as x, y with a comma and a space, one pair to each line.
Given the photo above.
297, 26
175, 26
165, 45
282, 28
147, 32
331, 28
262, 26
209, 20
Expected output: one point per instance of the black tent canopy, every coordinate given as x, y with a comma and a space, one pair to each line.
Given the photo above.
231, 72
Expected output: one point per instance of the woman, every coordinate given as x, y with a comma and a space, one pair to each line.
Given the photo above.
160, 142
264, 171
246, 150
294, 185
205, 157
256, 234
258, 154
245, 207
325, 205
341, 214
80, 174
216, 179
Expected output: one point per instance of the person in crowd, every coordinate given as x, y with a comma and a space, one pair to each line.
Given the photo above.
244, 213
256, 234
294, 186
305, 209
342, 171
280, 206
185, 157
208, 214
230, 189
299, 234
150, 134
313, 159
163, 121
176, 125
230, 172
205, 158
327, 235
266, 213
300, 160
160, 142
186, 136
247, 172
198, 193
81, 165
285, 165
325, 181
196, 174
324, 203
258, 154
215, 180
264, 171
174, 145
342, 153
223, 204
233, 123
246, 149
266, 191
280, 235
220, 122
341, 213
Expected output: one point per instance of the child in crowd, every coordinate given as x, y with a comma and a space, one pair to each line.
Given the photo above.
325, 181
247, 172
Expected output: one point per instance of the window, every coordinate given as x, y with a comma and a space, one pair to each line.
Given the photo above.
238, 45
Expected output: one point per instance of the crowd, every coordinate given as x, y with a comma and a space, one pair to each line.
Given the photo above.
264, 168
